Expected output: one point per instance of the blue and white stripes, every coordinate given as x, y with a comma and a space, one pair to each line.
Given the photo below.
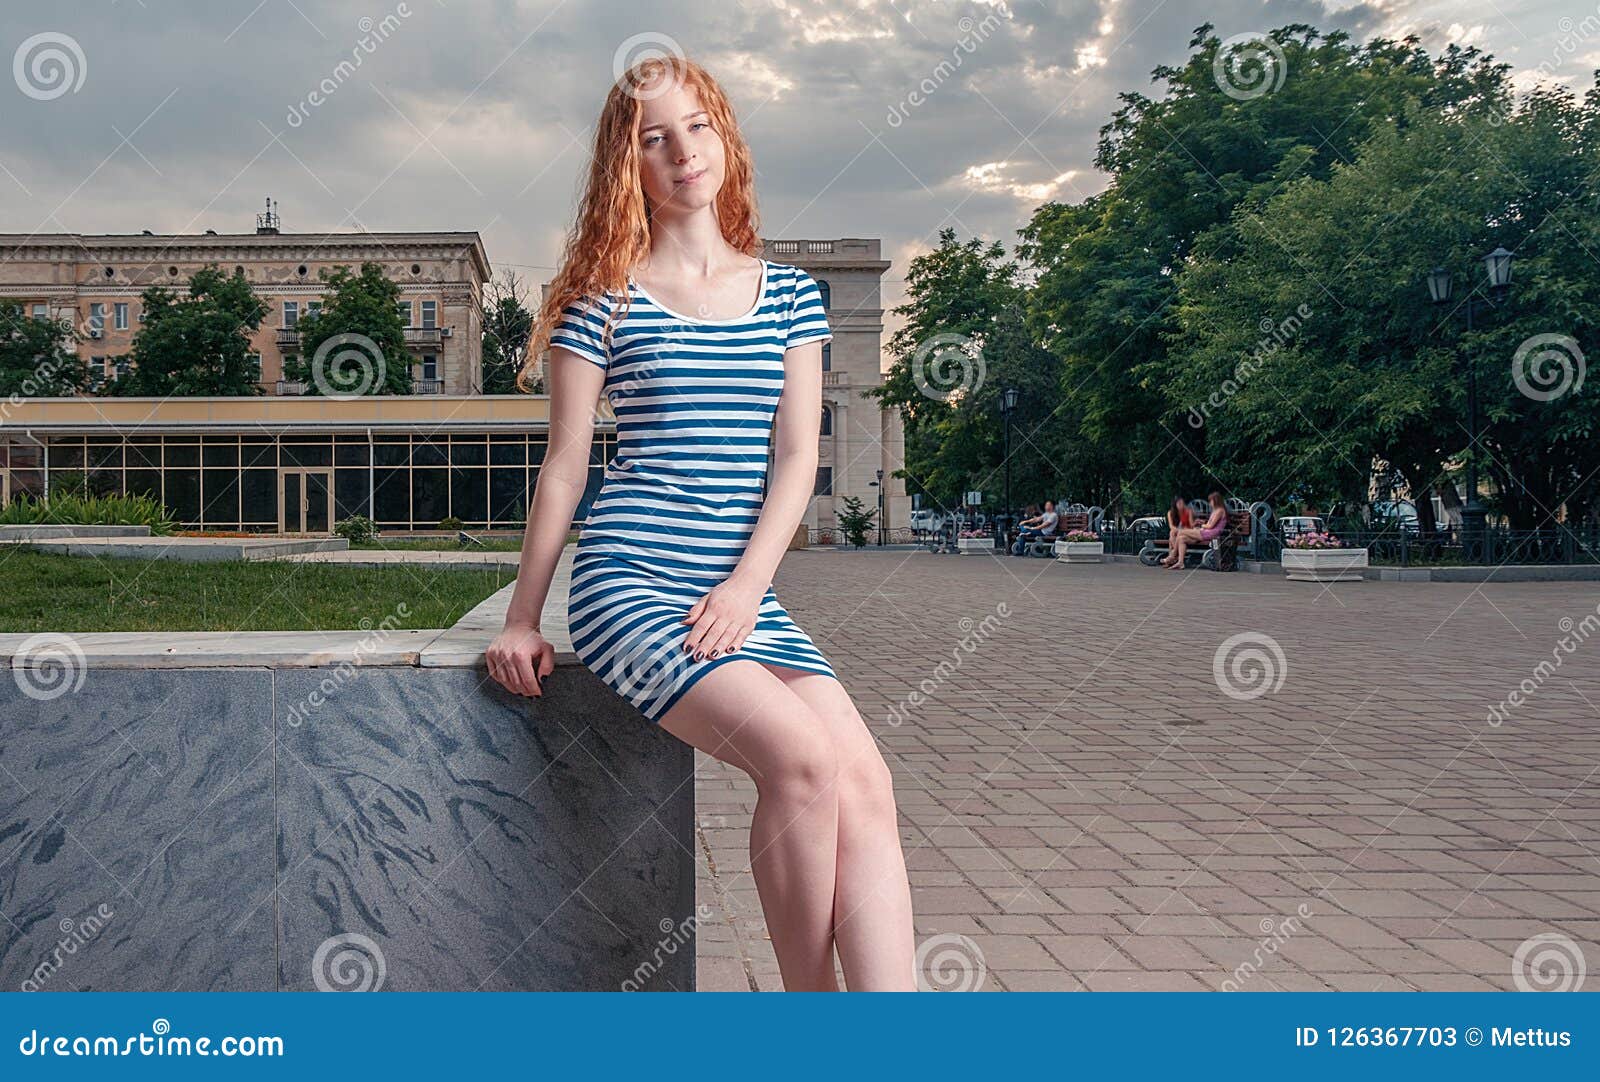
694, 401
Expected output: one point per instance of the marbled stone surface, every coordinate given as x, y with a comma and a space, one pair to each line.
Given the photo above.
237, 821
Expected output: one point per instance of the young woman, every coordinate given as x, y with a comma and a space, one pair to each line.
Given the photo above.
707, 354
1179, 517
1215, 523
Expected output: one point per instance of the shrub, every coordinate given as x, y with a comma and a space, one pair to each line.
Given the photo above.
449, 522
855, 520
356, 529
73, 507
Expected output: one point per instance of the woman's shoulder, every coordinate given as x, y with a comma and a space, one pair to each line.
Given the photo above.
789, 276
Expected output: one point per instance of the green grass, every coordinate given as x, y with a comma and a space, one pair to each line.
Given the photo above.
78, 594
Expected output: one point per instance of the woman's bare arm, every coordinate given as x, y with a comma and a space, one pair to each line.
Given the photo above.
574, 390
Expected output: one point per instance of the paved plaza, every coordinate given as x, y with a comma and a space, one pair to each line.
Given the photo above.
1085, 803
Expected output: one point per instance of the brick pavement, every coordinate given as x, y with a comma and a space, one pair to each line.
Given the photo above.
1081, 801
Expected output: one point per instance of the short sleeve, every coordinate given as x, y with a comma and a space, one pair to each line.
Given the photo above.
808, 319
581, 329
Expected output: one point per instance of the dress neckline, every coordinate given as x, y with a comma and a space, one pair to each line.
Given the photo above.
761, 295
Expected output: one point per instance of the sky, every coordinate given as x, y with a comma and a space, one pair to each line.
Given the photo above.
866, 118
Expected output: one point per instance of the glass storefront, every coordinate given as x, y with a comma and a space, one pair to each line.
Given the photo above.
265, 483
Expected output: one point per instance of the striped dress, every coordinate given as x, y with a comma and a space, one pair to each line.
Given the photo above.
694, 401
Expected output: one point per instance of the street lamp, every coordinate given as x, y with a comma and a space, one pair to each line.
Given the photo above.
1008, 406
1497, 265
878, 484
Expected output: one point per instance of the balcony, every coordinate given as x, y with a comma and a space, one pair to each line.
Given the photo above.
424, 336
808, 247
427, 386
832, 379
288, 338
289, 386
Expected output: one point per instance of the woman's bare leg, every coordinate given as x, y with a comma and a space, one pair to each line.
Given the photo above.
742, 714
872, 897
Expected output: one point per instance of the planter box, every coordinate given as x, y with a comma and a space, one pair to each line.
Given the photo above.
1080, 552
975, 544
1324, 565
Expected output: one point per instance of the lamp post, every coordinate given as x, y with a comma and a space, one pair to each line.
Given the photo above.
1008, 406
878, 484
1497, 264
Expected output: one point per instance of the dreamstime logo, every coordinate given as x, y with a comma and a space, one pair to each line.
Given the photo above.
947, 367
1573, 635
1547, 366
1249, 665
950, 963
1549, 962
675, 934
347, 669
373, 34
347, 365
1277, 933
1249, 65
645, 83
48, 65
74, 934
973, 635
1274, 336
640, 663
48, 665
972, 35
348, 963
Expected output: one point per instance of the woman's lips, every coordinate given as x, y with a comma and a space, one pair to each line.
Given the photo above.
692, 177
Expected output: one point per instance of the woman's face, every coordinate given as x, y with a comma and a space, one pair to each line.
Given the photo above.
680, 154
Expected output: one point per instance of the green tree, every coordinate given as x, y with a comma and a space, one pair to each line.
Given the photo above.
1181, 165
1375, 374
35, 358
856, 519
356, 345
507, 326
196, 344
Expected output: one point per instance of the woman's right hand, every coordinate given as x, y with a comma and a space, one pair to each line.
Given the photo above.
520, 658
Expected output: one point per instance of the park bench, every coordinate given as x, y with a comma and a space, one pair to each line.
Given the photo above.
1245, 523
1075, 517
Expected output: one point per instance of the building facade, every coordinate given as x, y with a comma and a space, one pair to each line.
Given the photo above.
858, 437
291, 463
96, 283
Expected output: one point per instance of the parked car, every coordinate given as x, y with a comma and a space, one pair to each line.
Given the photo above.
1394, 515
1147, 526
1295, 525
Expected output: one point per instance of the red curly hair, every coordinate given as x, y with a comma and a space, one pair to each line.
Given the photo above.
612, 234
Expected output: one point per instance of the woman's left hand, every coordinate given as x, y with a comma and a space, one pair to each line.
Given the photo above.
723, 618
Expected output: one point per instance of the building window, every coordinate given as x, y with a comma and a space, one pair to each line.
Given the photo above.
827, 356
827, 421
255, 366
97, 320
430, 366
291, 315
313, 307
119, 365
827, 293
430, 314
824, 481
41, 311
405, 313
120, 316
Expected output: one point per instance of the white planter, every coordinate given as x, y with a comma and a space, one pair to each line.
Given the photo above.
1324, 565
975, 544
1081, 552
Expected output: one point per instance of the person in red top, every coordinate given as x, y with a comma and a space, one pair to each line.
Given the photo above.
1215, 524
1179, 517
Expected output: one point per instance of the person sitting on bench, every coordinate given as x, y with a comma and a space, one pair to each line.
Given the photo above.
1216, 524
1037, 529
1179, 517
